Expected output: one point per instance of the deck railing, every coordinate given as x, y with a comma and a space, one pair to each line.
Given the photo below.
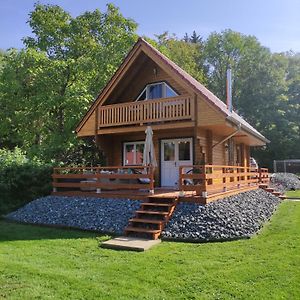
211, 179
149, 111
96, 179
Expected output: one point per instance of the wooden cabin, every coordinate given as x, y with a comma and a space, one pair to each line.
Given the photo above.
194, 133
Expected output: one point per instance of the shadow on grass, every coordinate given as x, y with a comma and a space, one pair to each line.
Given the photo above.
11, 231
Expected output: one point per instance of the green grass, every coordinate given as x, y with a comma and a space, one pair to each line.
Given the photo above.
293, 194
44, 263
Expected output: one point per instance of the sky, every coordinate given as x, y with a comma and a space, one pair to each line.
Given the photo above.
276, 23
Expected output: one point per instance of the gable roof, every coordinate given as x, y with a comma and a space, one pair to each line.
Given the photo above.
187, 78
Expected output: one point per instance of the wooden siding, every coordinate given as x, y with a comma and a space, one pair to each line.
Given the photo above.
88, 129
115, 152
128, 90
218, 152
207, 115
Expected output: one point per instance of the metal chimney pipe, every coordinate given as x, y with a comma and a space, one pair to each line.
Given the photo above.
229, 90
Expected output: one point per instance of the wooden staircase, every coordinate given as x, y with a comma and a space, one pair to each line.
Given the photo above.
272, 191
151, 217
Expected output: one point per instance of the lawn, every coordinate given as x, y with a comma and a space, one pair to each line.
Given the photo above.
293, 194
44, 263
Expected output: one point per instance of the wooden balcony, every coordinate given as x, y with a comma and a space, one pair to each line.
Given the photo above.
180, 108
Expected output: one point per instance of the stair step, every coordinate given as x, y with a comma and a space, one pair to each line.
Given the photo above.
276, 193
161, 200
146, 221
143, 230
157, 204
282, 197
151, 212
269, 190
263, 185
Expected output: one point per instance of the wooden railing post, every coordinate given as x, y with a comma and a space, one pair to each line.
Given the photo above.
204, 190
180, 185
98, 190
54, 189
224, 179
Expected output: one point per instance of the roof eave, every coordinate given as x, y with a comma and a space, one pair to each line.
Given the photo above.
249, 130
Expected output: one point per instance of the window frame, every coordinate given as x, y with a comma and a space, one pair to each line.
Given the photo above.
135, 143
164, 91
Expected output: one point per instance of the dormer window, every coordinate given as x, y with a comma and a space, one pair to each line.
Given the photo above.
156, 90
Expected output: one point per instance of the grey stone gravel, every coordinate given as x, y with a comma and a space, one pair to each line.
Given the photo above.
234, 217
104, 215
285, 181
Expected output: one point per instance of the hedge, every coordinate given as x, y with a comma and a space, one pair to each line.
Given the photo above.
21, 180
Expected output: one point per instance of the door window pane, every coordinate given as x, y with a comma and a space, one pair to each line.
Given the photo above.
184, 150
129, 154
139, 154
169, 151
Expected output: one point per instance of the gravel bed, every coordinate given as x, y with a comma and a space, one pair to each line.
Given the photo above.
285, 182
234, 217
103, 215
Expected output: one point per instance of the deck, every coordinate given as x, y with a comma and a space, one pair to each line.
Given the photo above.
200, 184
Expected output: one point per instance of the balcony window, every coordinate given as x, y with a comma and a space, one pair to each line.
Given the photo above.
133, 153
156, 91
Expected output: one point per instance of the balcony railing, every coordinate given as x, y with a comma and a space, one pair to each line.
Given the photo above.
149, 111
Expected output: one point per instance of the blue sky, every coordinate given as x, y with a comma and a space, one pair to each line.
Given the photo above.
276, 23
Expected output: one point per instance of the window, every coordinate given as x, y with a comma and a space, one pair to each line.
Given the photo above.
133, 153
184, 150
156, 90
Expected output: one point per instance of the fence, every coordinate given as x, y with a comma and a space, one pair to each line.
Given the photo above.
287, 166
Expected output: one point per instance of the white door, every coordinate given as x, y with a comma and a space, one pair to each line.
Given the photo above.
174, 153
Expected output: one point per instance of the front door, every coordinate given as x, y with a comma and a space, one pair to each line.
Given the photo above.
174, 153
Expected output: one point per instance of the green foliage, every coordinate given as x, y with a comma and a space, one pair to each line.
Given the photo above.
188, 55
38, 262
261, 92
48, 86
21, 180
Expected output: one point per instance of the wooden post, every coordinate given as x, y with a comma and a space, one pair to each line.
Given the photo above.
209, 143
204, 190
224, 179
54, 189
181, 182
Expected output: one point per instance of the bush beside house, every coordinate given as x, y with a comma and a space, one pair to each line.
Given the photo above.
21, 180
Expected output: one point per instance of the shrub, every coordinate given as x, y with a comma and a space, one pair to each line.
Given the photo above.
21, 180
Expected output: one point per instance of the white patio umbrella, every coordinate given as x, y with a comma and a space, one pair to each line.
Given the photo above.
149, 155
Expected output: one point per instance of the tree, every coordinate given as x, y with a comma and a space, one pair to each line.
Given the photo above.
48, 86
195, 38
259, 87
189, 56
